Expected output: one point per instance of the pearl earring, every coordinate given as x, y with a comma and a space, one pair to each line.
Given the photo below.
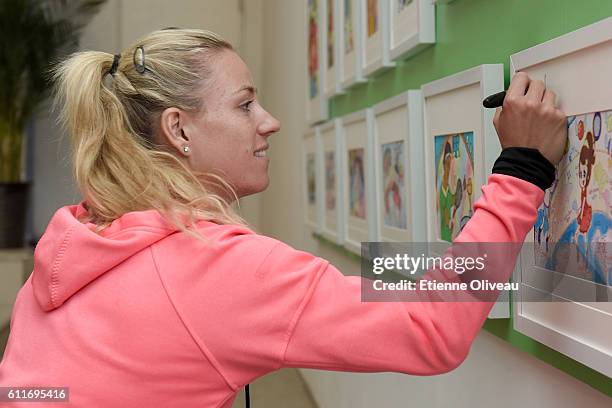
186, 149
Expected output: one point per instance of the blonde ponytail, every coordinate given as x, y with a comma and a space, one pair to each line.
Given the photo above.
117, 165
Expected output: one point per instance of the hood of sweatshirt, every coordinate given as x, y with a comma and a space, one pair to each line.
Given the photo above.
70, 254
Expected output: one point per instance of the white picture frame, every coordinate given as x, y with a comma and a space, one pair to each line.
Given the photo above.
412, 27
316, 102
398, 160
312, 179
358, 192
374, 35
332, 181
575, 67
453, 106
349, 45
329, 45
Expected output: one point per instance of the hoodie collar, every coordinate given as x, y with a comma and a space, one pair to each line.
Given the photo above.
70, 254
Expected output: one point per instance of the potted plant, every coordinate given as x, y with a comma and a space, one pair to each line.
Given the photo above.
34, 34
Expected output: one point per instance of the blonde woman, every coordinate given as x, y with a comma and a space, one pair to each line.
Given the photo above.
152, 292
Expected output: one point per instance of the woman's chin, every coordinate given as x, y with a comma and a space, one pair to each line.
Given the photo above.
254, 189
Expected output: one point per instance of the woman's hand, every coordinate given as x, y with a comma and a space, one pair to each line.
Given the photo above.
530, 118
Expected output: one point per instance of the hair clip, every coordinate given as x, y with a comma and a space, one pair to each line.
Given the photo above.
115, 65
140, 64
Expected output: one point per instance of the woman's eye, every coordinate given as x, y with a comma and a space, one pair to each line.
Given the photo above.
246, 106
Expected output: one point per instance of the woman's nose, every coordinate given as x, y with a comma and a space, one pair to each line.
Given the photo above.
270, 125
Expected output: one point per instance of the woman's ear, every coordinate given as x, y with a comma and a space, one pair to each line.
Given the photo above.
172, 128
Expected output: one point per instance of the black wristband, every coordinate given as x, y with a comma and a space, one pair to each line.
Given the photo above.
527, 164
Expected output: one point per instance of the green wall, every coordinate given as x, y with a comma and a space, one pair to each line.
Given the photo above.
470, 33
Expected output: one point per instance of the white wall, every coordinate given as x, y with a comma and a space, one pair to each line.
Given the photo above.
495, 374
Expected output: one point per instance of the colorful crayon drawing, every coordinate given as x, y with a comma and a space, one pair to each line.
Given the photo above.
330, 181
357, 205
573, 230
330, 33
372, 17
311, 179
454, 160
313, 49
348, 26
393, 182
401, 5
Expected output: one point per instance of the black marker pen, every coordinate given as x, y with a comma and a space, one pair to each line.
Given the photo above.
495, 100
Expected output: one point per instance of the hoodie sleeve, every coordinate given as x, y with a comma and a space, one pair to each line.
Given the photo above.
255, 304
332, 329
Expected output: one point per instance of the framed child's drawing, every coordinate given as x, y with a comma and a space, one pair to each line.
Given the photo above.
329, 45
398, 160
332, 223
374, 36
349, 43
316, 103
312, 179
568, 258
461, 146
411, 26
357, 175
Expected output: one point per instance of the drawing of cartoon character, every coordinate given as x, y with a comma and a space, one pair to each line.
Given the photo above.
467, 203
357, 184
348, 27
393, 173
313, 58
541, 227
585, 213
330, 33
446, 199
372, 17
585, 166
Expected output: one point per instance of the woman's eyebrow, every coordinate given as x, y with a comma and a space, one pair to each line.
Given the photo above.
251, 89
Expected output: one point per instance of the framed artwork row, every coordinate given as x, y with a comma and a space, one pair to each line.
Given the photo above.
389, 30
411, 167
407, 169
425, 151
358, 183
349, 40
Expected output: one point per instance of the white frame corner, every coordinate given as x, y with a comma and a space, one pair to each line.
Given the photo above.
424, 14
377, 47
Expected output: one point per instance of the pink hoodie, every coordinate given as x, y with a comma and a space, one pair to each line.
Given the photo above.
145, 316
